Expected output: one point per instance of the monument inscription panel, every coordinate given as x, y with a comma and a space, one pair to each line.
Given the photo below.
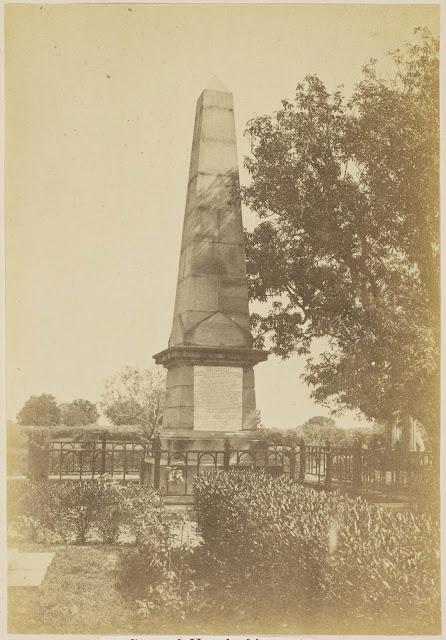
218, 398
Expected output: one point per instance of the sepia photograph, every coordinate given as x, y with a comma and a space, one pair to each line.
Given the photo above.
222, 319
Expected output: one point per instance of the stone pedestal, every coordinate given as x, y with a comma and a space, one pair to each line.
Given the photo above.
210, 396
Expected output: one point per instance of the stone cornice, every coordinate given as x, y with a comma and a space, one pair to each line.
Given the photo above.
223, 356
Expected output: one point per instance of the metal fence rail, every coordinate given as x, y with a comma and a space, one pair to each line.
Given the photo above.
91, 459
173, 471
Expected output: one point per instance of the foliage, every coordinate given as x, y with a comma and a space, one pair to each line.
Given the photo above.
77, 509
145, 516
348, 245
280, 437
314, 553
80, 511
18, 437
17, 449
157, 575
320, 430
41, 411
54, 511
32, 511
125, 433
134, 397
96, 432
79, 413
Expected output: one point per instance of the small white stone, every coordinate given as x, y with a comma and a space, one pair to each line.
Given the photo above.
27, 569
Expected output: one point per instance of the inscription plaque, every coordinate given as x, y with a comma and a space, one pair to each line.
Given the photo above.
218, 398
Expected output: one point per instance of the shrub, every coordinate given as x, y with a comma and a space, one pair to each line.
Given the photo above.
32, 511
17, 449
54, 511
76, 512
78, 505
111, 512
157, 574
286, 550
144, 513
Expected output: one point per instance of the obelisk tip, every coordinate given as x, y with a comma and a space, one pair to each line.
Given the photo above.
215, 84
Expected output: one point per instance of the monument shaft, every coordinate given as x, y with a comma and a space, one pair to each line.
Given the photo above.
210, 379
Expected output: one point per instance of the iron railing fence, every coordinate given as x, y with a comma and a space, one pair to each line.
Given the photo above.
382, 468
92, 459
177, 470
173, 471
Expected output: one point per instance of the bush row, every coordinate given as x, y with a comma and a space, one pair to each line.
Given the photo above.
279, 549
128, 433
77, 512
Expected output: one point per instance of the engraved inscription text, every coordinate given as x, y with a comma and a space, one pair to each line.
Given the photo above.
218, 398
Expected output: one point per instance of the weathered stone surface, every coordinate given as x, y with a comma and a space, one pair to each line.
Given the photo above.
229, 333
249, 409
248, 377
194, 354
178, 418
182, 396
212, 271
211, 329
194, 439
181, 375
218, 398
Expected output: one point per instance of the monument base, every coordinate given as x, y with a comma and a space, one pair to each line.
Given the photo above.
184, 454
182, 440
209, 393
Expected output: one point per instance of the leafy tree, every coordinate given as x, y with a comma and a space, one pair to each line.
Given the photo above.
134, 396
39, 411
348, 245
79, 413
321, 422
285, 437
319, 430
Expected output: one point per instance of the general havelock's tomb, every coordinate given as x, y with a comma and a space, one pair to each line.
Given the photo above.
210, 394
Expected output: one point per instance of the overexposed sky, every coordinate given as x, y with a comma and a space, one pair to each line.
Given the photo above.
100, 104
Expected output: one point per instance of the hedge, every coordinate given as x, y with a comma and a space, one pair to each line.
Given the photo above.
126, 433
280, 549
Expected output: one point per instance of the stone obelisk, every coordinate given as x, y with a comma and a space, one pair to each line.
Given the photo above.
210, 379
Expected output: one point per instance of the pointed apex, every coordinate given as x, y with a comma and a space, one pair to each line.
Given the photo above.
215, 84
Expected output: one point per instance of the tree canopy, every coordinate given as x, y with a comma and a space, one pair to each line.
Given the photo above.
319, 430
134, 396
347, 248
39, 411
79, 413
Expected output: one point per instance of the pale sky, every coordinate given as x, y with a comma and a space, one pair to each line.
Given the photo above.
100, 104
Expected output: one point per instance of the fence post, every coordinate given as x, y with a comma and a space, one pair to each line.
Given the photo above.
302, 460
398, 461
328, 464
292, 457
103, 450
38, 457
157, 459
226, 455
357, 467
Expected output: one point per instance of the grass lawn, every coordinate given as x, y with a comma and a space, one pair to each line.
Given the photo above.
78, 595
